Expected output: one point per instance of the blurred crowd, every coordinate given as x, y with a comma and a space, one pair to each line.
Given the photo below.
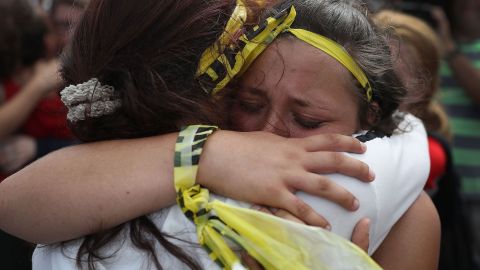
439, 39
32, 116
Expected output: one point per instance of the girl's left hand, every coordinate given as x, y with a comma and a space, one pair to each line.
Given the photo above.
360, 234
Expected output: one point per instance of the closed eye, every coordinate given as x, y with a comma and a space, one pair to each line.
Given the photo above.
306, 123
250, 107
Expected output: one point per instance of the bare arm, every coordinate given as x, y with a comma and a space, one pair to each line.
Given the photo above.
414, 241
79, 190
464, 72
467, 76
14, 112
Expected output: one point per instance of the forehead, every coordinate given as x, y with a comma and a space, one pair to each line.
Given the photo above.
299, 68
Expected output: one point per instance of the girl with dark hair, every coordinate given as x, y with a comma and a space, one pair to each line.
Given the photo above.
126, 85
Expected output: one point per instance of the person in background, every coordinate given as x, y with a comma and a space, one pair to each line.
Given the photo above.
32, 117
64, 15
460, 94
417, 62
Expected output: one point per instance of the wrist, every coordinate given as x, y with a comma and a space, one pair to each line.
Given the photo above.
34, 90
207, 168
188, 151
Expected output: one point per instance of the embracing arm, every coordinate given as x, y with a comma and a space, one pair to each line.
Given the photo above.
82, 189
414, 241
86, 188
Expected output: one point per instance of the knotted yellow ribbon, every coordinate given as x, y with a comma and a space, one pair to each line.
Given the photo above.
229, 58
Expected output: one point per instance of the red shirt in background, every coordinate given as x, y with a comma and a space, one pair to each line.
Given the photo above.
438, 163
48, 119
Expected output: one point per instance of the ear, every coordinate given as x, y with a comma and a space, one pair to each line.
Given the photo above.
373, 113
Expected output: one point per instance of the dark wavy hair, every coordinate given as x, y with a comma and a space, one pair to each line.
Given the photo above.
21, 33
148, 51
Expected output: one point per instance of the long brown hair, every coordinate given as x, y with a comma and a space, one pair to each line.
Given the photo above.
148, 51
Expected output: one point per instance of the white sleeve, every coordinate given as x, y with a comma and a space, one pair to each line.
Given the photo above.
401, 164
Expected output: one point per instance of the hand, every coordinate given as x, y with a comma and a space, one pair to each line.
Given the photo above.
360, 234
266, 169
45, 77
16, 153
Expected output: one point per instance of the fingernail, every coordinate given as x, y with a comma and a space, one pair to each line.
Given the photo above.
328, 227
364, 147
356, 204
371, 174
367, 222
255, 207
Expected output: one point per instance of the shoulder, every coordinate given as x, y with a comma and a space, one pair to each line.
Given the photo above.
416, 236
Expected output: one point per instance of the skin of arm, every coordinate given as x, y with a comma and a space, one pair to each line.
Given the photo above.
15, 112
83, 189
467, 76
414, 241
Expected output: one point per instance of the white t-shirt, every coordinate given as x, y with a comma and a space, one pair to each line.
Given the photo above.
400, 162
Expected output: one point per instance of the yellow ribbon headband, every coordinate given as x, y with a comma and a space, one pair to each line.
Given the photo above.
229, 58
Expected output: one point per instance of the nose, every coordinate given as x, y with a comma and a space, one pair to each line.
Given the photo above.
275, 124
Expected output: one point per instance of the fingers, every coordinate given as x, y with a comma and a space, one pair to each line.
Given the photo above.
287, 215
332, 142
361, 234
303, 211
321, 186
332, 162
278, 212
261, 209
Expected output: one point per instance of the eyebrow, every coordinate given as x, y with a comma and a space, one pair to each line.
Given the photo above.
301, 102
305, 103
252, 90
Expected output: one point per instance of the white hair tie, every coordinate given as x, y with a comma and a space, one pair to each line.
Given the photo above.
89, 99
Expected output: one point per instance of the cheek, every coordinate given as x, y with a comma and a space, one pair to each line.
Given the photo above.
243, 121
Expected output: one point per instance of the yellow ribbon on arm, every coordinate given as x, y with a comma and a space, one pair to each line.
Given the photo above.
275, 243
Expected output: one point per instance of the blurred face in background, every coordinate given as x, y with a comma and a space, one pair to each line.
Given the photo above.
65, 17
